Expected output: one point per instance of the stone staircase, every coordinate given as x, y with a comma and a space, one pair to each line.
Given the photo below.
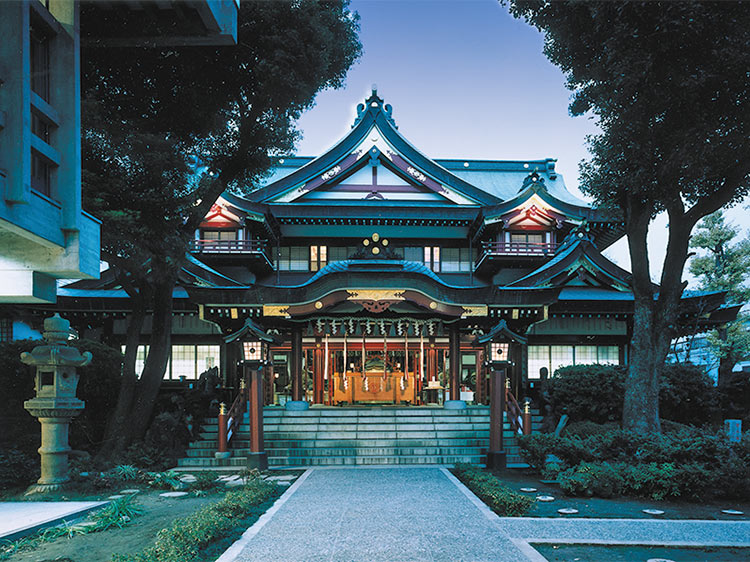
335, 436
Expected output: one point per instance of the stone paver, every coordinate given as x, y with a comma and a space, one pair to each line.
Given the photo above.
393, 514
18, 519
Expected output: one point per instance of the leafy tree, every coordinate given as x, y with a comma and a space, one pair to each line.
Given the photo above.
151, 114
668, 85
726, 267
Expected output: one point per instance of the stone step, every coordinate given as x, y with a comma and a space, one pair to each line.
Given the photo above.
375, 460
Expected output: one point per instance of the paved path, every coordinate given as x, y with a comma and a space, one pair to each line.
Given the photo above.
18, 519
390, 514
420, 514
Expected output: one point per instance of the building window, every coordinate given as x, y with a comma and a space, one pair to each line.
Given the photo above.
432, 257
41, 174
456, 260
294, 258
318, 257
413, 253
40, 64
219, 235
526, 238
552, 357
186, 360
6, 329
40, 127
340, 253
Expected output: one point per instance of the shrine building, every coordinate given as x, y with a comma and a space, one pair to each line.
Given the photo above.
373, 274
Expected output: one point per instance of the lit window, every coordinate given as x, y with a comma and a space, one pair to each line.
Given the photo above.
318, 257
456, 260
183, 361
219, 235
555, 356
432, 257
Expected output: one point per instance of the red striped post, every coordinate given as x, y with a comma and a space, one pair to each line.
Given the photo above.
222, 428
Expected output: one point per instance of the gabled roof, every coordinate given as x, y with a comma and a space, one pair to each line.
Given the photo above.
577, 263
374, 121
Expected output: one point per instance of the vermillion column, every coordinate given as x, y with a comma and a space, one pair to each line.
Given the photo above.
496, 453
257, 457
318, 365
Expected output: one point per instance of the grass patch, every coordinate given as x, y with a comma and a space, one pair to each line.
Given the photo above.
501, 499
117, 513
188, 538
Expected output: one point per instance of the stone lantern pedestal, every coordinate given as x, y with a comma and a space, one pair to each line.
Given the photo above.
55, 403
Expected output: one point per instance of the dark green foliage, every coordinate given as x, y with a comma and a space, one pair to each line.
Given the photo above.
687, 394
588, 392
595, 393
586, 428
205, 480
685, 461
17, 468
501, 499
185, 539
640, 68
98, 386
734, 398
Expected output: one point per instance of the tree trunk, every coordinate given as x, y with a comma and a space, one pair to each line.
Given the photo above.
156, 362
115, 439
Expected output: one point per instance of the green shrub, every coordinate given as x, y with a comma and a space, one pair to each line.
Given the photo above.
501, 499
687, 394
593, 479
588, 392
595, 393
205, 480
687, 462
17, 468
186, 538
98, 388
587, 428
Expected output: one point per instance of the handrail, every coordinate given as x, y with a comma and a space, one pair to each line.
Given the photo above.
227, 246
515, 413
522, 248
229, 421
236, 412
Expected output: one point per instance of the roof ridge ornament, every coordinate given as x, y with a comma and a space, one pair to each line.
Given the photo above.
374, 104
533, 179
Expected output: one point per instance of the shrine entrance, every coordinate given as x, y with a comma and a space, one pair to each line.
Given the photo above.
401, 371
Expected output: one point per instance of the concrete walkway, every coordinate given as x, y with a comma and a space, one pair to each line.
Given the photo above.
18, 519
420, 514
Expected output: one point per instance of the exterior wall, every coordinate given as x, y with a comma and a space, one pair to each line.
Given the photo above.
42, 236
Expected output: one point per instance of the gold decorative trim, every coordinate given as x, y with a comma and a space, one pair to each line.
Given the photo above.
374, 295
275, 310
479, 310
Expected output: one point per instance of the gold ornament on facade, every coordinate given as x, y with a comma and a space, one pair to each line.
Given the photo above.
275, 310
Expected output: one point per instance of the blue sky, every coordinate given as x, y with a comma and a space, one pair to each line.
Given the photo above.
466, 80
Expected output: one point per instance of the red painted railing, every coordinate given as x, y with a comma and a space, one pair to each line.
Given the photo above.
519, 248
228, 246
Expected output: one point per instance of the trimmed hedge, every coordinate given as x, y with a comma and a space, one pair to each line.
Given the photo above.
188, 536
501, 499
686, 462
595, 393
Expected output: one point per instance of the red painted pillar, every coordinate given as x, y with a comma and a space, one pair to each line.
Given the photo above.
257, 457
496, 454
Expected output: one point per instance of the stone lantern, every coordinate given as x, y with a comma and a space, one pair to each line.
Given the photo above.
55, 403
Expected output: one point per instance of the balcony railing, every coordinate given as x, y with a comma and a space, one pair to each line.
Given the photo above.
518, 248
228, 246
